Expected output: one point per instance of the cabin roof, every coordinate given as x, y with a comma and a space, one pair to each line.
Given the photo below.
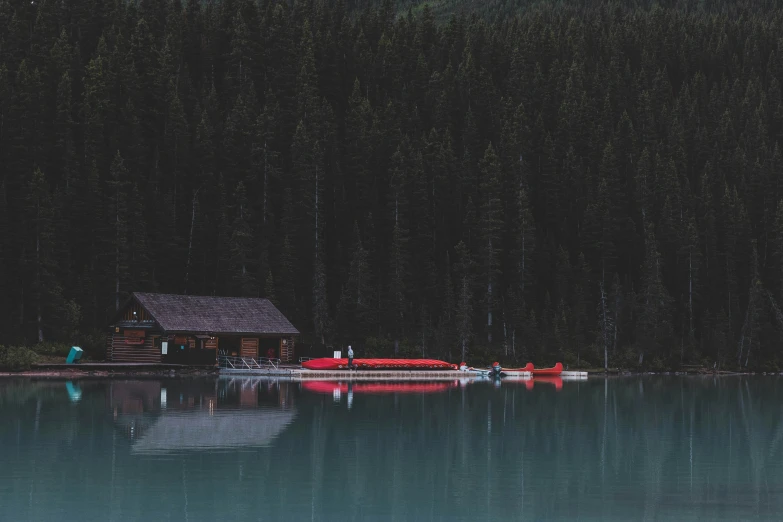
219, 315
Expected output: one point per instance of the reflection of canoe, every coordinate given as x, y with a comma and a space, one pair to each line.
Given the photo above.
556, 370
324, 386
403, 387
557, 381
327, 363
528, 383
329, 387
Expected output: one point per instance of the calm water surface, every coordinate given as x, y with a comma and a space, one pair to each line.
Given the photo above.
649, 448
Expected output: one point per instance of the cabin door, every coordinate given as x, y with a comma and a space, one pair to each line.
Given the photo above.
249, 347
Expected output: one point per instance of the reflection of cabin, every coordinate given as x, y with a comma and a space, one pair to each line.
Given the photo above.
198, 431
163, 416
185, 329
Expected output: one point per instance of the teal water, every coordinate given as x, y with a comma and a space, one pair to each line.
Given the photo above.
640, 448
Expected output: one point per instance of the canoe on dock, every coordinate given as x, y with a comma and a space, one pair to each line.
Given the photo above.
327, 363
554, 371
529, 369
525, 371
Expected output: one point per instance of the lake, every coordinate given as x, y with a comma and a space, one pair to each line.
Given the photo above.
626, 448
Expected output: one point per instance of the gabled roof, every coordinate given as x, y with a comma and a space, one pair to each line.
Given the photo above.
219, 315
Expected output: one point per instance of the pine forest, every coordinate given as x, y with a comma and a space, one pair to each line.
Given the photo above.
591, 182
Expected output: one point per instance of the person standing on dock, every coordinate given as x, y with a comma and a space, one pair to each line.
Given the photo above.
350, 358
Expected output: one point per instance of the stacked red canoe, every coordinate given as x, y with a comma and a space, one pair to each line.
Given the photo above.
327, 363
554, 371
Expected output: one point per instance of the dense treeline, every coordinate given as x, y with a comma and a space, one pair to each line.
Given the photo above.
584, 184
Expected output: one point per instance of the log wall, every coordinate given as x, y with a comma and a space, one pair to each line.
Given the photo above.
128, 349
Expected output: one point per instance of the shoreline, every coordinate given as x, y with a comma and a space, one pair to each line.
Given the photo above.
109, 371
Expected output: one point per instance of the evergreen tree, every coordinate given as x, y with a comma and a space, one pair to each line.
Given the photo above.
45, 287
361, 143
354, 306
491, 223
118, 193
654, 326
464, 311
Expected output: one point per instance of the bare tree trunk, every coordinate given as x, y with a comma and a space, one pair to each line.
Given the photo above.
117, 255
604, 327
39, 320
505, 338
190, 240
489, 293
690, 293
423, 330
729, 290
266, 183
742, 333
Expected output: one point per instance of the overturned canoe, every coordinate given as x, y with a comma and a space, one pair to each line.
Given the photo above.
327, 363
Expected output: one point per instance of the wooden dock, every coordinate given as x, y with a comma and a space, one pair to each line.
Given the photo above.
300, 374
384, 375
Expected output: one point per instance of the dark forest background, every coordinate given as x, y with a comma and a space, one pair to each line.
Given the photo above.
578, 181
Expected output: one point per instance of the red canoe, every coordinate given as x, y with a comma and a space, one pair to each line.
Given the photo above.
513, 371
554, 371
328, 363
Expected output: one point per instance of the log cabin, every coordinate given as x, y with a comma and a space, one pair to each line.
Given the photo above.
196, 330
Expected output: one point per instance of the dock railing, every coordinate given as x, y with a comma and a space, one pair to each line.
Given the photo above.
248, 363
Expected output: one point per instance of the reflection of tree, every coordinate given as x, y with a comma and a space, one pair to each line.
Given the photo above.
671, 448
